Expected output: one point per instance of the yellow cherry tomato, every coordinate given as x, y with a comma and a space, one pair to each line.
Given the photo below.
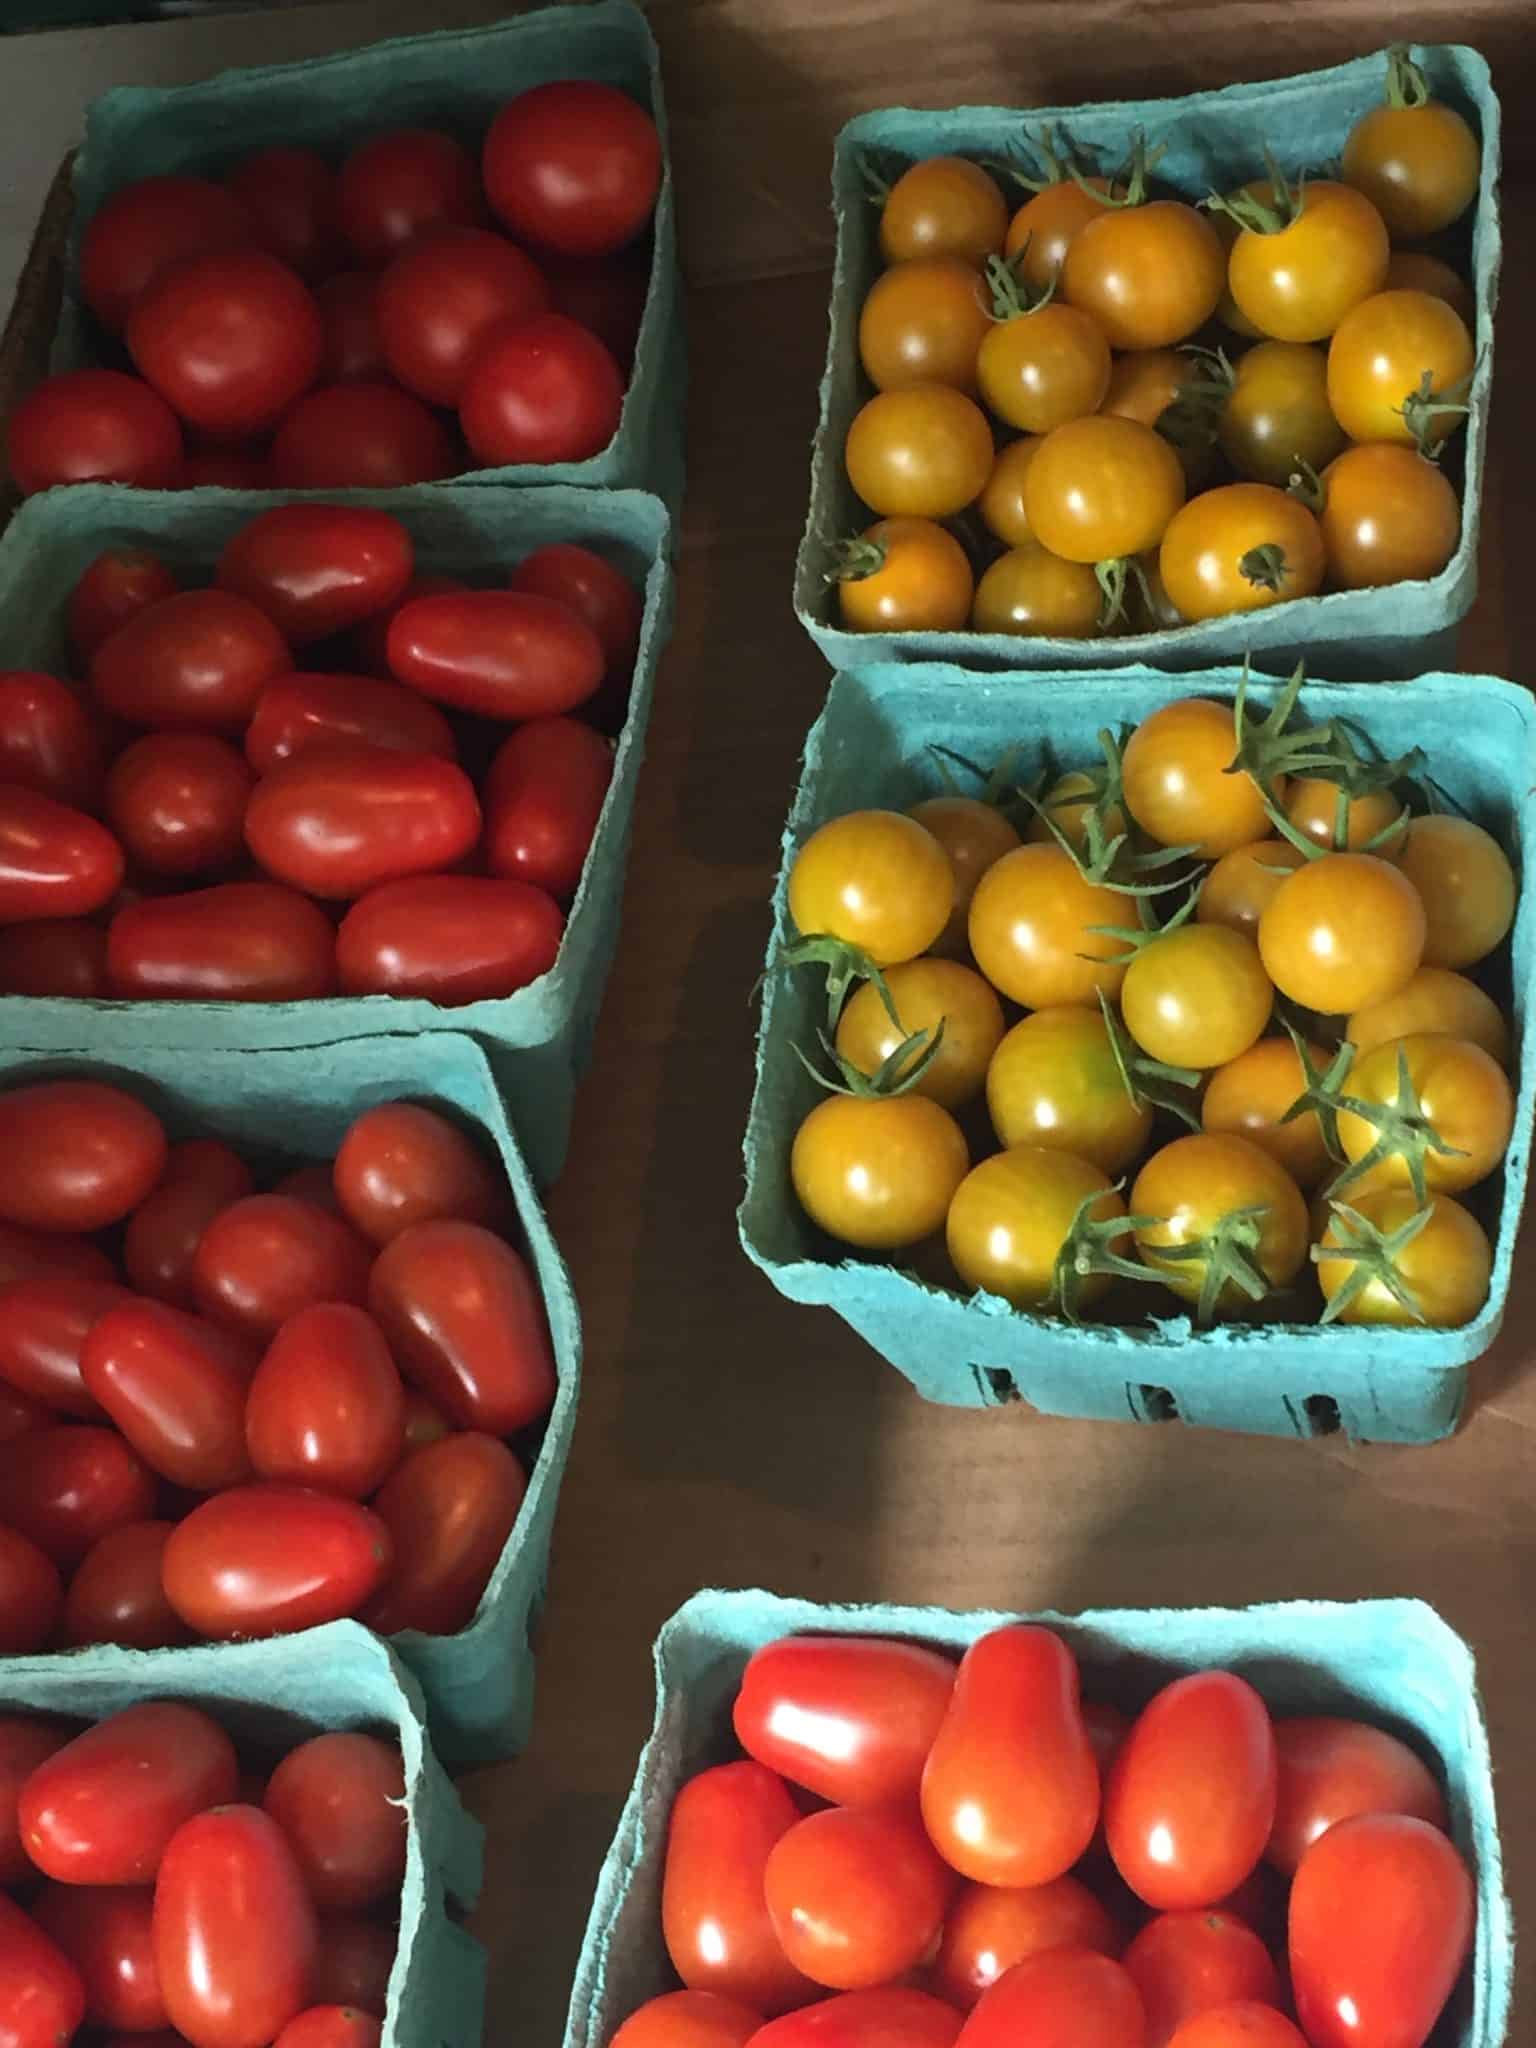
1011, 1215
1434, 999
924, 451
1241, 548
1001, 504
1251, 1094
1341, 823
974, 835
1413, 270
1299, 282
1379, 358
1044, 228
878, 1171
1030, 590
1100, 488
1038, 370
1198, 1183
1415, 159
876, 880
1464, 1096
1196, 997
1149, 275
905, 576
1389, 516
1466, 885
927, 993
1228, 312
1054, 1080
1237, 889
1343, 931
943, 206
1032, 930
1444, 1269
923, 323
1143, 386
1067, 803
1176, 783
1277, 417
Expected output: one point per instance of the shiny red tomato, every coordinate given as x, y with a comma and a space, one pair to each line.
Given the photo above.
147, 225
197, 660
450, 1508
25, 1740
342, 817
461, 1313
441, 296
81, 1153
398, 184
264, 1258
265, 1560
1184, 1963
354, 1963
67, 1486
1010, 1790
349, 315
26, 1254
340, 1800
54, 956
449, 939
117, 584
176, 801
607, 295
175, 1387
1191, 1798
1065, 1998
54, 861
229, 341
42, 2000
326, 1408
889, 2018
104, 1931
44, 1322
1239, 2025
725, 1824
330, 2026
306, 709
852, 1718
1331, 1770
93, 426
18, 1414
990, 1928
289, 197
689, 2019
573, 166
31, 1591
101, 1810
1381, 1922
361, 435
115, 1594
594, 589
498, 652
543, 796
371, 640
856, 1895
201, 1177
401, 1164
318, 569
540, 390
48, 739
235, 1933
243, 942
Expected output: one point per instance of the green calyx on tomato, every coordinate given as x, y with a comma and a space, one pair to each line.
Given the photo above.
1402, 1129
1373, 1255
845, 965
1013, 297
1319, 1098
1356, 777
1226, 1255
1257, 215
1128, 186
1088, 1248
1061, 160
1150, 1081
899, 1072
1406, 84
1267, 751
1424, 405
1106, 855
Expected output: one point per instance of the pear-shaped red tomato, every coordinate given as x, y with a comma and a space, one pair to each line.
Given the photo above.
849, 1717
1065, 1998
1331, 1770
857, 1894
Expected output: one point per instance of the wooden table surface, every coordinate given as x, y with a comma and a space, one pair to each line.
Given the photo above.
728, 1437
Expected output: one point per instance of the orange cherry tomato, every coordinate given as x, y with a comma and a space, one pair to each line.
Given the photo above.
905, 576
924, 451
1044, 228
1032, 930
1054, 1080
1001, 503
1388, 516
1412, 270
1101, 488
1439, 1278
1277, 416
1240, 548
1434, 999
1251, 1094
1466, 885
1192, 1187
1149, 275
1040, 369
1010, 1218
1197, 996
1298, 282
856, 1895
923, 323
1176, 783
1463, 1095
1418, 163
1341, 823
990, 1928
974, 834
1332, 1769
1242, 882
1381, 354
1342, 932
943, 206
1030, 590
876, 880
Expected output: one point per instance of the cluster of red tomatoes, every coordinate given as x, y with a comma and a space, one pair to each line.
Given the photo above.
159, 1888
974, 1855
201, 1385
165, 832
1304, 1013
408, 315
1073, 324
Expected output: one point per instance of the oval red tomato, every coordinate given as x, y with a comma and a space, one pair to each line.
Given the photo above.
93, 426
235, 1933
201, 1177
31, 1591
689, 2019
144, 226
1185, 1963
264, 1258
363, 435
54, 861
543, 795
856, 1895
989, 1928
67, 1486
326, 1407
175, 1387
104, 1930
330, 2026
48, 740
176, 801
396, 185
265, 1560
1066, 1998
342, 817
44, 1322
540, 390
25, 1740
1331, 1770
198, 660
289, 197
401, 1164
229, 341
101, 1810
340, 1801
82, 1154
305, 709
593, 589
497, 652
54, 956
450, 1508
348, 306
242, 942
370, 642
318, 569
441, 295
118, 584
574, 166
42, 2001
116, 1596
448, 939
889, 2018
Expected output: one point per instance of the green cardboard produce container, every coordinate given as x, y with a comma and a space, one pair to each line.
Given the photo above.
1390, 1661
277, 1694
1214, 142
872, 747
539, 1038
454, 79
296, 1105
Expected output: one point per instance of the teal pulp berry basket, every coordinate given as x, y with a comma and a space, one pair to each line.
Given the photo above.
538, 1039
295, 1105
274, 1695
1393, 1662
1214, 141
873, 747
452, 79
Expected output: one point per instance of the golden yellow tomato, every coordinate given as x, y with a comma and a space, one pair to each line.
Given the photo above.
1197, 996
1249, 1097
943, 206
974, 834
1030, 590
1464, 1098
1202, 1184
1054, 1080
1011, 1216
1102, 488
1176, 783
1240, 548
1466, 885
1434, 999
876, 880
1378, 361
878, 1171
1239, 887
1032, 930
905, 576
1444, 1269
927, 993
923, 452
1343, 931
1001, 504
